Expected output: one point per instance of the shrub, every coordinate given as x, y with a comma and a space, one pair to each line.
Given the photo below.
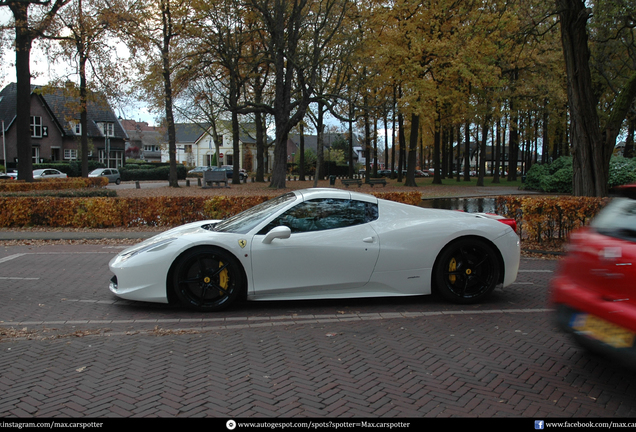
622, 171
135, 172
557, 176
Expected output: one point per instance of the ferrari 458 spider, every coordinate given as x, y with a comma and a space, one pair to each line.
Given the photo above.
321, 244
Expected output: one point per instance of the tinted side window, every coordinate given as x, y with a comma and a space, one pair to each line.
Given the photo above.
324, 214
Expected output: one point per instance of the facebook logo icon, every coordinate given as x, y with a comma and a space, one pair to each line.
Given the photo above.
539, 424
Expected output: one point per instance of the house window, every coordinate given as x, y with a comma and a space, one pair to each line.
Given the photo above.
187, 148
76, 127
113, 160
70, 154
36, 126
108, 129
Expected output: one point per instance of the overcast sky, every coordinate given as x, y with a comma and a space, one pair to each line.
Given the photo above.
43, 72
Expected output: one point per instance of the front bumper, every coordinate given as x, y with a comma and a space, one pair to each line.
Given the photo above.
602, 326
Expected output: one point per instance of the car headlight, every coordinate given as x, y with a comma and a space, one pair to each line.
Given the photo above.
147, 246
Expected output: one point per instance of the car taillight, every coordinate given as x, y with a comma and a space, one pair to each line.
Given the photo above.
510, 222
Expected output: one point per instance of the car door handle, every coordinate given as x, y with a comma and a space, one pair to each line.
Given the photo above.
369, 240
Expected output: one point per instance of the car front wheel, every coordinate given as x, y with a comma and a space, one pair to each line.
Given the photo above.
467, 271
207, 279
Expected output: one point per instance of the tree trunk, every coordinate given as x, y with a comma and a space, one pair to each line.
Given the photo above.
412, 155
84, 116
591, 162
467, 151
173, 181
23, 41
236, 149
482, 150
437, 178
301, 155
497, 155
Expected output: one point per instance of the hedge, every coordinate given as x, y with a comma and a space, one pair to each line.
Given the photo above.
111, 212
149, 172
538, 218
52, 184
542, 218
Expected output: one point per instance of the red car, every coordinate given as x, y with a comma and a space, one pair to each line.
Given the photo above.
594, 290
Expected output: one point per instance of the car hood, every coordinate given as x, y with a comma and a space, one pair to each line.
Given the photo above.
166, 237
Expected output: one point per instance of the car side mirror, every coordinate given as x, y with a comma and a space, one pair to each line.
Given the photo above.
279, 232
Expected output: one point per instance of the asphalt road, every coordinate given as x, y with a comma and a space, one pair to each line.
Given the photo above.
72, 350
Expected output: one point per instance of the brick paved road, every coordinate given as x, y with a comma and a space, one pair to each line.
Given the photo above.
79, 352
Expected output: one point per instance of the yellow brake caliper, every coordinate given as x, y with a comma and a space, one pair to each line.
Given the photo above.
223, 279
452, 266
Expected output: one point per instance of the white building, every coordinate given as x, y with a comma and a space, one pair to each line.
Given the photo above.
196, 147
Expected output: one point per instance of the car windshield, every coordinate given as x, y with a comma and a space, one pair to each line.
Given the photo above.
245, 221
97, 171
618, 219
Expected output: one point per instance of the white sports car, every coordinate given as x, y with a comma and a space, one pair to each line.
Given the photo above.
320, 244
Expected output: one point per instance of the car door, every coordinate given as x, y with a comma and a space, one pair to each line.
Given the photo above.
332, 250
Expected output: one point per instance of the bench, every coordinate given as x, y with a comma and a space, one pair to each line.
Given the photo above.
348, 182
211, 177
375, 181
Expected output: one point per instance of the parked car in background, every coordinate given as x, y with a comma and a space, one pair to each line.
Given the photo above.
199, 170
112, 174
593, 289
47, 173
9, 175
229, 169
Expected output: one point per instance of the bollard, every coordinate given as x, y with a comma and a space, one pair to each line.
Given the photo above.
137, 186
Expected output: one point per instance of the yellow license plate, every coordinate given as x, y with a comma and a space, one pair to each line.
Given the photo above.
604, 331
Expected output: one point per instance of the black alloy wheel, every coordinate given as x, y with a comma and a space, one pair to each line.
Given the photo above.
208, 279
467, 271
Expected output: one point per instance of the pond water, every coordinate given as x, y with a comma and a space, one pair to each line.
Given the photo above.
469, 205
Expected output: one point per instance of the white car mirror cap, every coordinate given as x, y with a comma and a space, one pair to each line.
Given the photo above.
279, 232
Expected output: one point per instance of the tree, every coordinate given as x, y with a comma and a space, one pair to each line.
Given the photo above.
592, 144
295, 34
25, 33
224, 33
154, 32
83, 33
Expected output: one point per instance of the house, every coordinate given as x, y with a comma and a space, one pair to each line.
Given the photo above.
143, 139
196, 147
56, 128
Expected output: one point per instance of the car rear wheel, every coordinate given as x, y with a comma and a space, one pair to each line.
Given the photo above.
467, 271
208, 279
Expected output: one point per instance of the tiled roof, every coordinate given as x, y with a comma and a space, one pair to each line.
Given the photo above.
64, 109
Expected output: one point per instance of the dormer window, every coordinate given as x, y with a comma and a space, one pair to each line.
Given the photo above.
76, 127
108, 129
